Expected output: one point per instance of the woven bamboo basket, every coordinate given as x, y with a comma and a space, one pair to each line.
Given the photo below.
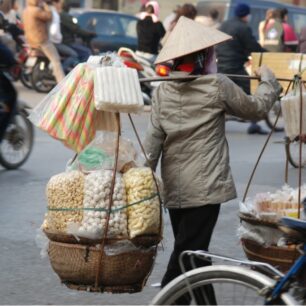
140, 241
77, 265
280, 257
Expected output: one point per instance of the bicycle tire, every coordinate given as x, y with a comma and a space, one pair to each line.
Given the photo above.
29, 134
256, 281
292, 153
25, 79
271, 117
38, 80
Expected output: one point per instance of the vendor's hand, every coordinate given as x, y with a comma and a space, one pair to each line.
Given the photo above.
264, 73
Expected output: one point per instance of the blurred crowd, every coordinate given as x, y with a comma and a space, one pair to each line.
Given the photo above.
46, 25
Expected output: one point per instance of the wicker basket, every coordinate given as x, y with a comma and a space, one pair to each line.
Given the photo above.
76, 265
280, 257
141, 241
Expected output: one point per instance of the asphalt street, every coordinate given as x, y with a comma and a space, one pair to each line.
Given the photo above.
27, 278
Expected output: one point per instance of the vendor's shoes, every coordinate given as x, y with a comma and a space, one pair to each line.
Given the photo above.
256, 129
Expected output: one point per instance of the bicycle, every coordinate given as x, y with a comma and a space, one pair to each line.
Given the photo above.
292, 148
246, 283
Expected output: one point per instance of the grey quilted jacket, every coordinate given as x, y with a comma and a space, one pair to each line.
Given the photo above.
187, 129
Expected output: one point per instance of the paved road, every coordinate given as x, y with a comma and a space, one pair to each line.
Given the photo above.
26, 278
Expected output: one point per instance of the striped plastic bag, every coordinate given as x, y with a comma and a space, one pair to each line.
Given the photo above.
68, 113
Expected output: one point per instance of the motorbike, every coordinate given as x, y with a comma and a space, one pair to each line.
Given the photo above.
40, 72
144, 68
18, 138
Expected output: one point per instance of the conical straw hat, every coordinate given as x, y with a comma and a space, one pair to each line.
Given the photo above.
187, 37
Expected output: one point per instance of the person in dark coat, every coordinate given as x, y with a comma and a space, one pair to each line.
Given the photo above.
233, 54
71, 31
149, 31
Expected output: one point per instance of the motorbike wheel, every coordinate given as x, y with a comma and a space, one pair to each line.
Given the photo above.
272, 115
25, 78
41, 78
17, 143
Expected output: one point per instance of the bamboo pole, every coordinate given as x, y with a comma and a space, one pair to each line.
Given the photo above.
193, 77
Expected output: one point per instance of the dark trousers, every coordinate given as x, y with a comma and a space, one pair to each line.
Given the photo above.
192, 229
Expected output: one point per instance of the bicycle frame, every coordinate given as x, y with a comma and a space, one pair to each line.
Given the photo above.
282, 279
294, 270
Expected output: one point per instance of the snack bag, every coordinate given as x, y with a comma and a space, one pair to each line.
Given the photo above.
291, 112
96, 205
117, 89
143, 202
99, 154
65, 195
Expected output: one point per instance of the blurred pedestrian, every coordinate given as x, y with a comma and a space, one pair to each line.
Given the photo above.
211, 20
274, 33
149, 31
71, 30
13, 15
263, 25
70, 56
233, 54
170, 18
302, 40
188, 10
290, 37
36, 18
187, 129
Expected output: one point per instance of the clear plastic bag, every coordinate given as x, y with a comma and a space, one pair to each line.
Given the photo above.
118, 90
99, 154
290, 105
65, 195
96, 203
42, 242
143, 200
263, 235
68, 112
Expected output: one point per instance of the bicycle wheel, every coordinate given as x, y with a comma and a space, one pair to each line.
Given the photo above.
292, 148
232, 285
272, 115
17, 143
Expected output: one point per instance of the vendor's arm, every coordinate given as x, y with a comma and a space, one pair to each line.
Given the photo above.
155, 135
236, 102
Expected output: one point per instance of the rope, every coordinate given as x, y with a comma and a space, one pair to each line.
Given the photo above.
113, 210
263, 149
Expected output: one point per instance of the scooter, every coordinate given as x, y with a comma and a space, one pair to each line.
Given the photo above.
18, 138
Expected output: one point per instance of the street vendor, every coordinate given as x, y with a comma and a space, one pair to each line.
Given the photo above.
187, 129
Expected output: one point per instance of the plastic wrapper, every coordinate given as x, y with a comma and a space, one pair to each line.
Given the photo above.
65, 194
99, 154
97, 189
263, 235
122, 246
271, 206
143, 202
291, 113
118, 90
68, 112
42, 242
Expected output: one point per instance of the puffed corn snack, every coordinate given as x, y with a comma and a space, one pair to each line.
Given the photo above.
144, 217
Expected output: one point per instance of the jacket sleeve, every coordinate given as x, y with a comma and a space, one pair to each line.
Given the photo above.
235, 101
248, 40
155, 135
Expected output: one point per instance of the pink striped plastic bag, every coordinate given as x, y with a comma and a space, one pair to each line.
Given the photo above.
68, 113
